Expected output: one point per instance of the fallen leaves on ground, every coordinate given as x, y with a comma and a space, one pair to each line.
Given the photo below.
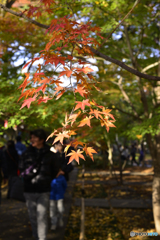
100, 224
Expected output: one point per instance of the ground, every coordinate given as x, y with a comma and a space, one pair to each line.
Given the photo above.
101, 223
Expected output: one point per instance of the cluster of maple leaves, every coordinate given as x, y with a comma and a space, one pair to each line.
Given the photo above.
68, 38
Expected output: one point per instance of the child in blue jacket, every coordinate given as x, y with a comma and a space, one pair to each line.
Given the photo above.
58, 187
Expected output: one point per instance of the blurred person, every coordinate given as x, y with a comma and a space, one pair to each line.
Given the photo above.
63, 160
3, 170
12, 162
125, 153
141, 156
58, 188
20, 147
39, 168
133, 154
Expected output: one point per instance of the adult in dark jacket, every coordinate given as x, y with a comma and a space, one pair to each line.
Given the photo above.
39, 168
12, 161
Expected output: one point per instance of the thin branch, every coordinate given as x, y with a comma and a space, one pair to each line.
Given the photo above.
124, 66
23, 16
135, 4
85, 60
119, 84
127, 113
96, 52
150, 66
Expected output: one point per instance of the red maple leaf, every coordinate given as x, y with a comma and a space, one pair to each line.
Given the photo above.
45, 99
28, 101
75, 156
82, 104
85, 121
33, 60
89, 151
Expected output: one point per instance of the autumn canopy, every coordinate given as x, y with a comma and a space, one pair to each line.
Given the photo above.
71, 42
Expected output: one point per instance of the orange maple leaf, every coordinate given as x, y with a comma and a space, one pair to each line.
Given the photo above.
75, 156
61, 136
84, 69
89, 151
87, 70
73, 117
96, 113
25, 82
60, 94
75, 143
85, 121
107, 114
59, 88
107, 124
81, 91
67, 73
82, 104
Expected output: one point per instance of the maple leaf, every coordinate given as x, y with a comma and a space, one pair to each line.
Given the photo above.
24, 84
81, 91
27, 102
87, 70
75, 156
51, 135
84, 70
89, 151
75, 143
45, 99
73, 117
60, 94
107, 124
33, 60
67, 73
61, 136
59, 88
106, 112
85, 121
96, 113
66, 148
82, 104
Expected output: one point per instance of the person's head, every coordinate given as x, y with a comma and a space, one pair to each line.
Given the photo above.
18, 138
10, 144
38, 138
58, 146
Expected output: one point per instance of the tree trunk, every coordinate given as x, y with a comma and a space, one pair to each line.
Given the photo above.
110, 159
154, 146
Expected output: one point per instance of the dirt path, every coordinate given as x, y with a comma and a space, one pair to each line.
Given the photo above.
14, 221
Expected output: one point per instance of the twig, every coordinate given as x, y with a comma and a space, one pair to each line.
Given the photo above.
23, 16
135, 4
